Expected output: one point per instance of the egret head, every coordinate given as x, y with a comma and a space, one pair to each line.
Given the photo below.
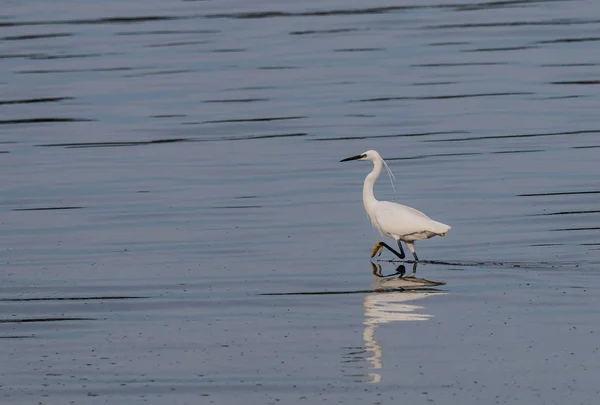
375, 157
371, 155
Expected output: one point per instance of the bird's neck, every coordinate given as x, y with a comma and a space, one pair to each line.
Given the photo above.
368, 196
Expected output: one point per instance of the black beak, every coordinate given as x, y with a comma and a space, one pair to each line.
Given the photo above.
353, 158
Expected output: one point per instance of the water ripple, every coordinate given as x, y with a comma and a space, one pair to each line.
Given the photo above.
449, 96
35, 100
42, 120
480, 138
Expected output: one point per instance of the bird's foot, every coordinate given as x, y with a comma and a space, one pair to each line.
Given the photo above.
377, 249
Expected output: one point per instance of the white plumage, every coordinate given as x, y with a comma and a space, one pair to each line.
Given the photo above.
393, 220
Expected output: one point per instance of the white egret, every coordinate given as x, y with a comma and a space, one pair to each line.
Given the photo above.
393, 220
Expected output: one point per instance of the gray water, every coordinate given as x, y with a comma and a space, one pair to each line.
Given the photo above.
175, 225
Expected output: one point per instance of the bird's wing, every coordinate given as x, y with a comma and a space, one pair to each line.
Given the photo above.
397, 219
411, 209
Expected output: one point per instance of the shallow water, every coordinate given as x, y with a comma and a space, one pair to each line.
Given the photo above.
176, 225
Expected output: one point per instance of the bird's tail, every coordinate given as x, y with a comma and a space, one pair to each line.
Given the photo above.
441, 229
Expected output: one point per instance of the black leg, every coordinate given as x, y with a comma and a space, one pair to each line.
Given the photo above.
411, 247
402, 255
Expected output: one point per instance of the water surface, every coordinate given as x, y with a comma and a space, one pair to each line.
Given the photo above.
176, 225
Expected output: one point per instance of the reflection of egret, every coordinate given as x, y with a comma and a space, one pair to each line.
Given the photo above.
402, 280
400, 270
396, 221
385, 307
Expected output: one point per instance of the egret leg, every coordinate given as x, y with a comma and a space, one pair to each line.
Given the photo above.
411, 247
388, 247
402, 255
